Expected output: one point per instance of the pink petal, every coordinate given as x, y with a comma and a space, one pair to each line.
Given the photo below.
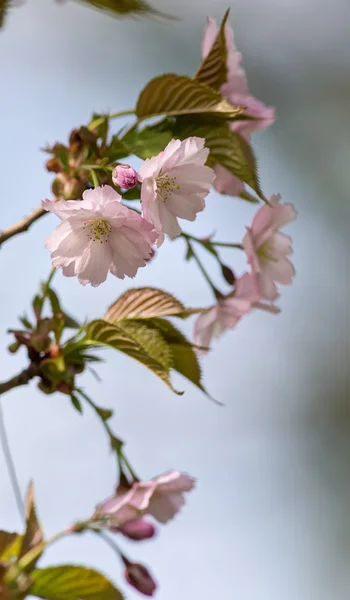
209, 37
174, 481
267, 287
264, 115
170, 224
281, 271
100, 196
164, 507
185, 207
96, 263
66, 208
226, 183
204, 328
126, 259
70, 248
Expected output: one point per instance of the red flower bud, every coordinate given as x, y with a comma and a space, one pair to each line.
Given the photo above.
125, 176
136, 529
139, 577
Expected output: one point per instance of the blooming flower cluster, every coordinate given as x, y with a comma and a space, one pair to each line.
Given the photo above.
267, 251
160, 498
99, 234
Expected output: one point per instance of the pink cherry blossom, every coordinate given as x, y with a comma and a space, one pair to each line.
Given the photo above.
174, 185
228, 311
267, 248
161, 497
237, 93
98, 235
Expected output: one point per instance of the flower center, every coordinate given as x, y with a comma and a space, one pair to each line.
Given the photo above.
99, 230
265, 252
165, 185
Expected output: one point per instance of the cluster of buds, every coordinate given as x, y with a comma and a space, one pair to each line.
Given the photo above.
55, 364
86, 146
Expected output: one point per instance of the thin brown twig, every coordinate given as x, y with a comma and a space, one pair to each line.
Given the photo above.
21, 379
22, 225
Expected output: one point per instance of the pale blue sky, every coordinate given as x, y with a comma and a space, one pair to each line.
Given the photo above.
269, 518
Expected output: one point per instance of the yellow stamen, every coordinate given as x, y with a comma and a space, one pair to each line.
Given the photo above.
99, 230
165, 185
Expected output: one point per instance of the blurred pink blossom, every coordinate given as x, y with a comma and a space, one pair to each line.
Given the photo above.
161, 497
267, 248
98, 235
174, 185
228, 311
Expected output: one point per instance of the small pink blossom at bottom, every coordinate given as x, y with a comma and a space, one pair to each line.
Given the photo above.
268, 249
228, 311
98, 235
161, 497
140, 578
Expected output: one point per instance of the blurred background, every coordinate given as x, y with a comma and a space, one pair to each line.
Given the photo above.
270, 517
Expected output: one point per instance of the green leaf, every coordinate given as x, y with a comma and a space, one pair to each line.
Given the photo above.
185, 359
117, 149
133, 194
54, 301
33, 535
143, 303
248, 197
234, 153
70, 582
12, 549
76, 403
147, 142
213, 70
135, 340
69, 322
6, 540
180, 95
101, 129
121, 8
37, 305
25, 322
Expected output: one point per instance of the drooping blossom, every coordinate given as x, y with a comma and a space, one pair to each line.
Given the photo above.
228, 311
161, 497
174, 185
125, 176
139, 577
268, 249
236, 91
136, 529
98, 235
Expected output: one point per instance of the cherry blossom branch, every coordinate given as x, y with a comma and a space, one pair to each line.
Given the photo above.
205, 241
22, 225
21, 379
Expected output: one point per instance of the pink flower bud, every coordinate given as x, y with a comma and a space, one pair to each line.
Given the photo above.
139, 577
136, 529
125, 176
